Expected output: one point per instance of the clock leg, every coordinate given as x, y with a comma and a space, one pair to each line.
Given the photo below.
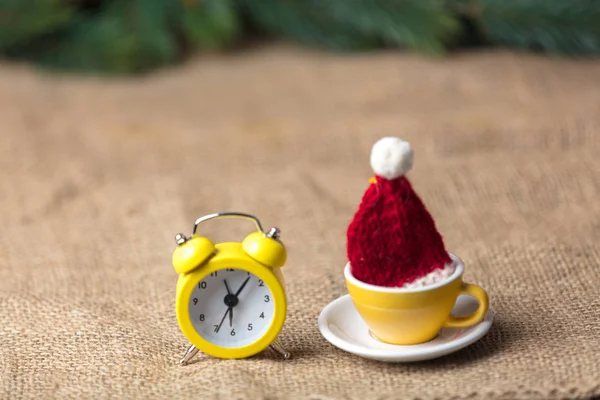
189, 354
279, 348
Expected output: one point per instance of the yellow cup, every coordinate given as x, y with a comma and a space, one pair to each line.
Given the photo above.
415, 315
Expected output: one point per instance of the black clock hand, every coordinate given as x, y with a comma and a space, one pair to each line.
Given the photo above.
230, 308
231, 301
242, 287
226, 312
236, 300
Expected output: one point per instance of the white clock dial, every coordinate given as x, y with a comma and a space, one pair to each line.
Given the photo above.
231, 308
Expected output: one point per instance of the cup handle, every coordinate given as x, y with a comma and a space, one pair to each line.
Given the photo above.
475, 318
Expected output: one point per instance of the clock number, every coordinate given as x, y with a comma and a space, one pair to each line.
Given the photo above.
230, 269
248, 273
249, 327
262, 315
232, 332
267, 299
202, 285
213, 274
201, 317
195, 300
261, 283
216, 328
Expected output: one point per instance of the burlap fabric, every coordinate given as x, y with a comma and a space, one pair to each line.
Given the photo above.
97, 177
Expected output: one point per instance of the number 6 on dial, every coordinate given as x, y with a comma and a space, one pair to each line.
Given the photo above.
230, 300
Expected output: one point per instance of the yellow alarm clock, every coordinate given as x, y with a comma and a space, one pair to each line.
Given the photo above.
231, 300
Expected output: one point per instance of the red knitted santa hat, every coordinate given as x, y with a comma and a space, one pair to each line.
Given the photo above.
392, 239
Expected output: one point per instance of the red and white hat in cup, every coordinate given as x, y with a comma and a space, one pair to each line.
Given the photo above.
393, 240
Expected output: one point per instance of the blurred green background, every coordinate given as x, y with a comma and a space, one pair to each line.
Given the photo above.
135, 36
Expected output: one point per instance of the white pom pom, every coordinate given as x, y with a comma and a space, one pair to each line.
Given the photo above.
391, 157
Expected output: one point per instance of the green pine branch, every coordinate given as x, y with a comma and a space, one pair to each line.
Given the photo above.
119, 37
210, 24
23, 21
426, 26
305, 22
552, 26
132, 36
357, 24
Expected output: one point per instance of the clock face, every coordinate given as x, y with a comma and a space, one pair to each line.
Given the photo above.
231, 308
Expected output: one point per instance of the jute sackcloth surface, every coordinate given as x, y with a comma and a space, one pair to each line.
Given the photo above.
98, 175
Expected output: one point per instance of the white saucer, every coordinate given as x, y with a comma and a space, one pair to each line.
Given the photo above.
343, 327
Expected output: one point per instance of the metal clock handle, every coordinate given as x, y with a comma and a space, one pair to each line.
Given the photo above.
227, 215
273, 233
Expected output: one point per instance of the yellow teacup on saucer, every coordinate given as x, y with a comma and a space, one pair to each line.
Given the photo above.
342, 326
415, 315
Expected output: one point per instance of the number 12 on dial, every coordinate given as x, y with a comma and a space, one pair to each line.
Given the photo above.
230, 300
